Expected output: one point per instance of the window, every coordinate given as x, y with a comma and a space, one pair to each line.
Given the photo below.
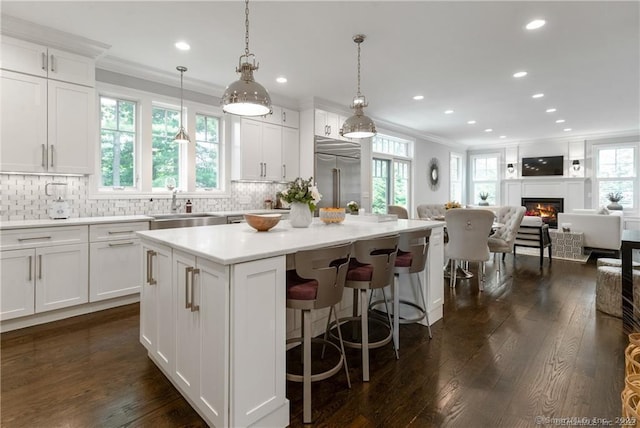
391, 173
165, 151
117, 143
616, 171
455, 179
484, 178
207, 152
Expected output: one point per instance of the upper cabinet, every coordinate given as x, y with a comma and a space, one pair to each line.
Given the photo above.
328, 124
30, 58
281, 116
48, 109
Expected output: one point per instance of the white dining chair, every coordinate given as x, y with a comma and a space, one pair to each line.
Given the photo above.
468, 231
504, 237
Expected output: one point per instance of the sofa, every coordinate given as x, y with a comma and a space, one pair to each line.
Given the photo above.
601, 231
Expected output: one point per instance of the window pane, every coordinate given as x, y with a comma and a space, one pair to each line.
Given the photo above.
207, 152
612, 186
380, 186
401, 183
166, 152
489, 188
117, 142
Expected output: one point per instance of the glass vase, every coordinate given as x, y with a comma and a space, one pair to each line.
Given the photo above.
300, 215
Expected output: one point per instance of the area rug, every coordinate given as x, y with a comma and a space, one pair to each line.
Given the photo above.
536, 252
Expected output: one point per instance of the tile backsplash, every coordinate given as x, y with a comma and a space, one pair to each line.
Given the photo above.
23, 198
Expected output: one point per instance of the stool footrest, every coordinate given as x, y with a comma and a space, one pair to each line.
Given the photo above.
358, 345
402, 320
318, 376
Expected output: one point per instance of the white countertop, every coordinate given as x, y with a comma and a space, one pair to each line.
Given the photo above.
21, 224
237, 243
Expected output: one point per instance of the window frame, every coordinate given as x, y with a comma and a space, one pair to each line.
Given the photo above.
461, 177
393, 158
143, 156
596, 148
473, 182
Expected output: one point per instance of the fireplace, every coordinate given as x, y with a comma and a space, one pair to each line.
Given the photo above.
546, 208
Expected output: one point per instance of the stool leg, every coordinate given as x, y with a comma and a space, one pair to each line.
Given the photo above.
354, 329
365, 335
391, 325
481, 279
326, 331
395, 289
344, 355
424, 304
306, 369
452, 276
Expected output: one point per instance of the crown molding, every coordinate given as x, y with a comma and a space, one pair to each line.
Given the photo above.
40, 34
629, 133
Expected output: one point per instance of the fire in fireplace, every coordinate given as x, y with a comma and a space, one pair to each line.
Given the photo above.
545, 208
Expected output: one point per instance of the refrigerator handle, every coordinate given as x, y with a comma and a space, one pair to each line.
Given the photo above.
337, 193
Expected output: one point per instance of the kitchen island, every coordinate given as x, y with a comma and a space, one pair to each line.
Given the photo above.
213, 313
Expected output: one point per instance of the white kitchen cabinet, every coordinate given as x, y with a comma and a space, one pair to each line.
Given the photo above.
260, 151
157, 312
43, 269
290, 118
290, 153
275, 117
201, 296
47, 126
17, 292
115, 260
328, 124
38, 60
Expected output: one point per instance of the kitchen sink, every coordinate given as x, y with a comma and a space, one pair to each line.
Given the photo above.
171, 221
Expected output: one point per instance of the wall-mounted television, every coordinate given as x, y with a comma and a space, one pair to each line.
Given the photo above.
542, 165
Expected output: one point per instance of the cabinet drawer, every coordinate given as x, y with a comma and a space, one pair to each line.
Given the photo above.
43, 237
111, 231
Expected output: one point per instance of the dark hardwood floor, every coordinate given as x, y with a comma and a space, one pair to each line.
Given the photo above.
531, 345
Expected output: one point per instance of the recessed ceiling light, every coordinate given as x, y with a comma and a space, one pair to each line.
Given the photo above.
520, 74
448, 111
471, 122
503, 136
281, 79
183, 46
540, 95
550, 110
535, 24
418, 97
566, 129
560, 121
488, 130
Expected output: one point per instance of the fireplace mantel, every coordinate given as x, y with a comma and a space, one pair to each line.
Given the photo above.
571, 189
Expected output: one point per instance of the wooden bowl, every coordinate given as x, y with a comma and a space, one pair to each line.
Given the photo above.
262, 222
332, 215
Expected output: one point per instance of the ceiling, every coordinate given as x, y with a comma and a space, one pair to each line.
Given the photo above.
458, 55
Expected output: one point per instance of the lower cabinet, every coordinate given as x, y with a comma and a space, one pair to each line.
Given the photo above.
42, 270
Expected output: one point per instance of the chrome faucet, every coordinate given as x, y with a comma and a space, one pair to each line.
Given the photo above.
174, 204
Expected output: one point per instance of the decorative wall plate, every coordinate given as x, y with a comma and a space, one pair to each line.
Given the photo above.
433, 174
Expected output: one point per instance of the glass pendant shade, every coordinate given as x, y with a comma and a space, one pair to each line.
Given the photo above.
246, 97
359, 125
181, 137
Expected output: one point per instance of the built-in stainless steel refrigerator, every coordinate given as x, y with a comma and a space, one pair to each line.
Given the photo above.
337, 172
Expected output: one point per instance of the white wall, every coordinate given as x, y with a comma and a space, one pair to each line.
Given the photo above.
422, 192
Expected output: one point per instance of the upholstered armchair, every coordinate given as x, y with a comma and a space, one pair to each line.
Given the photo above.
504, 238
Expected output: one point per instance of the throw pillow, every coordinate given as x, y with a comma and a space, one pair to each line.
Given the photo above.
603, 210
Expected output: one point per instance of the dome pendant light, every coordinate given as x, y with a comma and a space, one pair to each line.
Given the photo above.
181, 137
246, 97
359, 125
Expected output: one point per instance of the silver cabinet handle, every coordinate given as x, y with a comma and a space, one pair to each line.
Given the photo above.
30, 266
115, 232
284, 171
150, 280
121, 244
52, 64
326, 130
188, 276
44, 61
44, 156
34, 238
39, 266
52, 153
265, 169
194, 307
284, 116
329, 128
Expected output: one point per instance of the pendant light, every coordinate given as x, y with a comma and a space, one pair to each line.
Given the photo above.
181, 137
246, 97
359, 125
